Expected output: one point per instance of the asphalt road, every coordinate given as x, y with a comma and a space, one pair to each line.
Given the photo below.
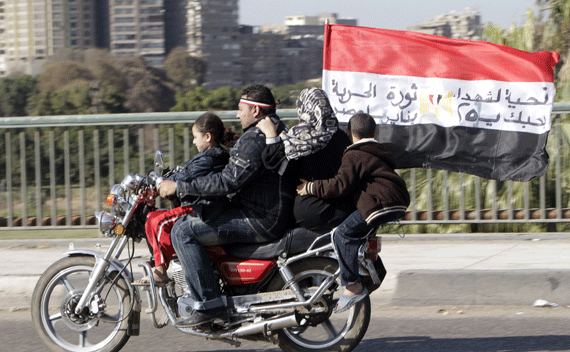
392, 329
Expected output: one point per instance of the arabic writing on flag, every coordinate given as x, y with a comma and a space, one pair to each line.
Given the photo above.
451, 104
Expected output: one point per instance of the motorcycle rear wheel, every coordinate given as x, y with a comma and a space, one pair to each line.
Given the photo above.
332, 332
54, 299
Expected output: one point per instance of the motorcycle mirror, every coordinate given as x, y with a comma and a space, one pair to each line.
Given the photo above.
158, 162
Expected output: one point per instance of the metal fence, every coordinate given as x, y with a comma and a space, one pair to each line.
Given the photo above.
55, 171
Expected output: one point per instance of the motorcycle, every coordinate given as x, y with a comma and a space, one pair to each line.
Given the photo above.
282, 292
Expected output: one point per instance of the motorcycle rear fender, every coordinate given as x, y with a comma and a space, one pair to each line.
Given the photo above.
114, 265
376, 273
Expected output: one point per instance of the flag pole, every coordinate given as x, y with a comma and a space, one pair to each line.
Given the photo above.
325, 50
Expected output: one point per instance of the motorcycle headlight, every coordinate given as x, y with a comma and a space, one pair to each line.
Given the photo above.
107, 222
120, 208
116, 199
129, 183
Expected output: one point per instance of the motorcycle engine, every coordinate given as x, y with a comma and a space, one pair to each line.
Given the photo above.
178, 276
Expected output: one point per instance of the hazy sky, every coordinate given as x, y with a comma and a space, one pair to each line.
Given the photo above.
399, 14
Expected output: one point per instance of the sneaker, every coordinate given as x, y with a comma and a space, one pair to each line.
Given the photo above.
198, 317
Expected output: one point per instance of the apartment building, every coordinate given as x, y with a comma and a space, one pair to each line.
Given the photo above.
465, 24
137, 29
32, 30
236, 55
174, 24
318, 20
214, 34
301, 45
2, 41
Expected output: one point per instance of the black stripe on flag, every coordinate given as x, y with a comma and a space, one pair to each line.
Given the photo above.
494, 154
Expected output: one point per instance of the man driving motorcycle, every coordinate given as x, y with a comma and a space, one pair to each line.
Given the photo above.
258, 212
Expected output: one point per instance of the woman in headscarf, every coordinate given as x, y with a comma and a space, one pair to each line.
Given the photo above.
311, 150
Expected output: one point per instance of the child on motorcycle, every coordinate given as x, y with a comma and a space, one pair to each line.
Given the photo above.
367, 173
209, 133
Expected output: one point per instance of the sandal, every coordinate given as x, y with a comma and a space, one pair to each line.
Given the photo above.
346, 302
145, 281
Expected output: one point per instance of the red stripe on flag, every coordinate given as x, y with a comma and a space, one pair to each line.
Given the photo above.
402, 53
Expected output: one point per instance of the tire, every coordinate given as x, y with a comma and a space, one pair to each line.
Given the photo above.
333, 332
61, 285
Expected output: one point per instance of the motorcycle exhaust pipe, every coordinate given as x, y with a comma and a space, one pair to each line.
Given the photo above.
265, 327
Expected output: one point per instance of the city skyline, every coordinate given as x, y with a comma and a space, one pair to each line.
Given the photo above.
503, 13
278, 52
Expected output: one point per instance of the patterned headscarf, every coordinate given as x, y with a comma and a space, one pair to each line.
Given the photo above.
317, 124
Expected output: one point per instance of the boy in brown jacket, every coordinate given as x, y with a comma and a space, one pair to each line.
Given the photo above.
367, 172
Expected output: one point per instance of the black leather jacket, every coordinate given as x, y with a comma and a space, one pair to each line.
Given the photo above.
264, 197
210, 161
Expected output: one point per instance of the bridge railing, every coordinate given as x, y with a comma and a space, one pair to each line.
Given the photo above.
55, 171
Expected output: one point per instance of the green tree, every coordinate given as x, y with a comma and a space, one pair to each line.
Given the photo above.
522, 38
183, 70
224, 98
73, 100
556, 38
57, 75
16, 94
191, 100
558, 26
81, 80
43, 105
111, 100
147, 90
287, 95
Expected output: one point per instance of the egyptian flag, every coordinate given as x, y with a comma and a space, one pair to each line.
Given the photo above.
450, 104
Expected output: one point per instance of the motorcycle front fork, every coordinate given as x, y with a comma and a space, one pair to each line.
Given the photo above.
101, 265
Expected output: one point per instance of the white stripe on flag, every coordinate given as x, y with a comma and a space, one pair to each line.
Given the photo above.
407, 100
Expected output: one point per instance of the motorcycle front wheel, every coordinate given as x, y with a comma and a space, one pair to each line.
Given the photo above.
102, 326
324, 331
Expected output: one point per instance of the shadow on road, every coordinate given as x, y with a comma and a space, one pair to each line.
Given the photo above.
483, 344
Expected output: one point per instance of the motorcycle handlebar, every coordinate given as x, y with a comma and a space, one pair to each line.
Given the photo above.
153, 180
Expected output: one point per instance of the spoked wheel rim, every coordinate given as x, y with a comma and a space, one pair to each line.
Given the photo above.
85, 332
330, 327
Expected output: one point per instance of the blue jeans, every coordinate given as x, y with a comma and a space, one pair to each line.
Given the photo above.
189, 237
346, 240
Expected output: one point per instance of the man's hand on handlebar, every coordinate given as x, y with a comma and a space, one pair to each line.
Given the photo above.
166, 188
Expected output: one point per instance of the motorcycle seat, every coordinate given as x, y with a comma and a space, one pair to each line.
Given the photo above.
299, 239
294, 241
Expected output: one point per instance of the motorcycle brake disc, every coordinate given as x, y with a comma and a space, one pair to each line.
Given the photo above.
76, 322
